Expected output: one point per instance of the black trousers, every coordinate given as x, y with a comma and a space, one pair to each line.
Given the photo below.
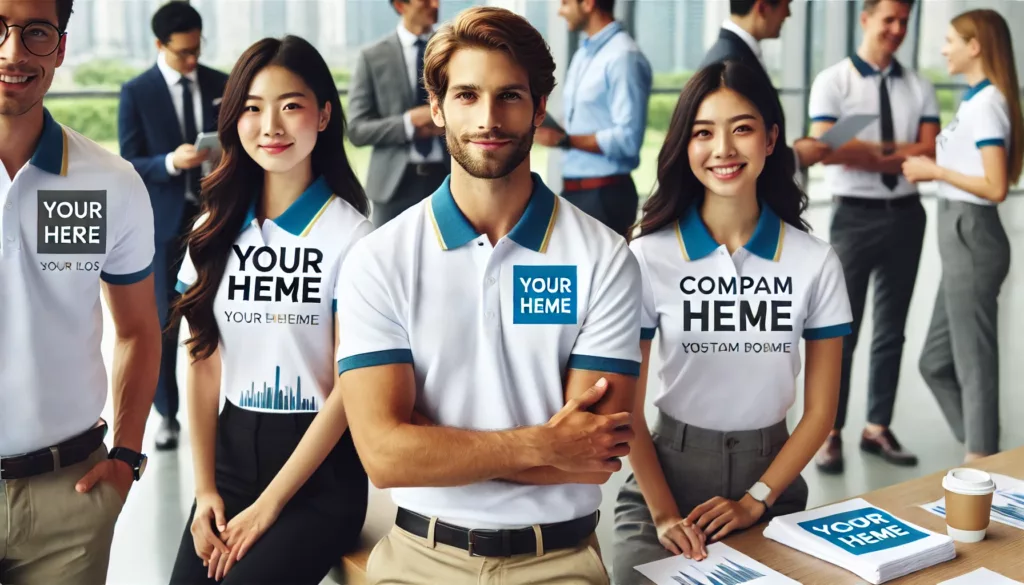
321, 523
613, 205
885, 244
168, 258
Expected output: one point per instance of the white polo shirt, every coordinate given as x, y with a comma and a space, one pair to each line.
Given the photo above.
730, 326
491, 332
74, 215
275, 304
851, 87
983, 119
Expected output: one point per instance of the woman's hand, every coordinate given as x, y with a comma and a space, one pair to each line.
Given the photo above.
719, 516
209, 512
919, 169
680, 536
242, 533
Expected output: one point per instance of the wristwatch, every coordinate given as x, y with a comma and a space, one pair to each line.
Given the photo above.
137, 461
564, 142
760, 492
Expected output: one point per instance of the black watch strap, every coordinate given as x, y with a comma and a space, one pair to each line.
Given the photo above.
564, 142
137, 461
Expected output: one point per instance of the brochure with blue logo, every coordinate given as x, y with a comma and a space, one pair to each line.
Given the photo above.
724, 565
863, 539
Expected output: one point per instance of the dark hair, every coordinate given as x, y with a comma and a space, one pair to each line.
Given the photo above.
228, 192
175, 17
871, 5
496, 29
743, 7
678, 188
64, 11
607, 6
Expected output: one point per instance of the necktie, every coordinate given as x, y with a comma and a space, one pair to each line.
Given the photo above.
888, 138
423, 145
192, 176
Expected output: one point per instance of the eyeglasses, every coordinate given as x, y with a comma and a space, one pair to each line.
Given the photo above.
40, 38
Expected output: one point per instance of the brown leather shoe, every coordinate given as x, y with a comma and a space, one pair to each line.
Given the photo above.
886, 446
829, 458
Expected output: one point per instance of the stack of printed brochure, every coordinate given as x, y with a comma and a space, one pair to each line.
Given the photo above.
863, 539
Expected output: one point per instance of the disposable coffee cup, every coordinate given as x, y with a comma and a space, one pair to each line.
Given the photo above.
968, 503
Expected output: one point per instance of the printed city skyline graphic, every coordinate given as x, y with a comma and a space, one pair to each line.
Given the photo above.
726, 573
277, 398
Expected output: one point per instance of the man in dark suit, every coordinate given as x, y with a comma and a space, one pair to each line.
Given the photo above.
388, 109
750, 22
160, 114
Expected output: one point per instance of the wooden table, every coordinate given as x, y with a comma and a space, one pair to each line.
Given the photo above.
1002, 550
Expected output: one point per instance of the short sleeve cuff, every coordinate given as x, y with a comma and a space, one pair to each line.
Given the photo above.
990, 142
603, 364
647, 333
182, 287
829, 332
171, 169
824, 118
929, 119
123, 279
375, 358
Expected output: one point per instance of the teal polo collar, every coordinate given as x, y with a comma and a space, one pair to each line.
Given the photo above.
51, 153
533, 230
696, 242
976, 89
867, 69
300, 216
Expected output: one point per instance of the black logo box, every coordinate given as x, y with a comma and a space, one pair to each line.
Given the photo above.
72, 222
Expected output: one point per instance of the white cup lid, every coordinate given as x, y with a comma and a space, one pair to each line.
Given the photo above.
968, 482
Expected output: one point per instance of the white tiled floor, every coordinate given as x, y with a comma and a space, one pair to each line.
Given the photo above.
152, 522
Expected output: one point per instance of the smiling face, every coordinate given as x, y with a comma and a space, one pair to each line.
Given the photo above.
25, 77
886, 25
729, 144
487, 113
281, 121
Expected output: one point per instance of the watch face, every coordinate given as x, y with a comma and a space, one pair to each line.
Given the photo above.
142, 465
760, 491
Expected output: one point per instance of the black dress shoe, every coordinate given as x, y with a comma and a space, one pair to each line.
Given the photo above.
886, 446
829, 458
167, 435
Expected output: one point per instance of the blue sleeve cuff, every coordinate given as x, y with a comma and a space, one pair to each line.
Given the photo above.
181, 287
122, 279
375, 358
334, 305
990, 142
824, 119
828, 332
647, 333
603, 364
930, 120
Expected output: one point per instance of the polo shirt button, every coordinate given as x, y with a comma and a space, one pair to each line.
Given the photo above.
490, 280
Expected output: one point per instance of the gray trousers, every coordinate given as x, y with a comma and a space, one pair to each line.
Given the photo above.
960, 360
884, 243
699, 464
418, 182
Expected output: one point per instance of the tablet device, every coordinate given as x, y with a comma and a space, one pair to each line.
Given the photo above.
847, 129
549, 122
208, 140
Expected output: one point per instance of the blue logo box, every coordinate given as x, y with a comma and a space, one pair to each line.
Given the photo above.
544, 295
863, 531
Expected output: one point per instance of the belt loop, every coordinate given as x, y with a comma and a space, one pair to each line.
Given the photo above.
430, 533
539, 535
766, 442
55, 453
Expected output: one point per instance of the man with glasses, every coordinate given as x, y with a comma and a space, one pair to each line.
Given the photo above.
75, 219
161, 113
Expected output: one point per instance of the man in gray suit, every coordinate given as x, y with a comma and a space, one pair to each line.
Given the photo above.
388, 109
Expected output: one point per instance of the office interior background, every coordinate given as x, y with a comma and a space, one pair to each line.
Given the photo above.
110, 41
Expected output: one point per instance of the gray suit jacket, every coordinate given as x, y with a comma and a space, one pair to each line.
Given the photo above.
379, 94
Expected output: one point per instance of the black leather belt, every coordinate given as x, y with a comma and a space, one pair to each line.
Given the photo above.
869, 203
500, 543
70, 452
428, 169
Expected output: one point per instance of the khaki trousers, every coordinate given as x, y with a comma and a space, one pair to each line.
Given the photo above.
49, 533
402, 558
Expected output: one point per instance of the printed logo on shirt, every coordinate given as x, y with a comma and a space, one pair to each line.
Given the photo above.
863, 531
281, 274
737, 305
544, 295
71, 222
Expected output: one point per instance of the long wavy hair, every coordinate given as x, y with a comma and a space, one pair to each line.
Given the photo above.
678, 188
229, 191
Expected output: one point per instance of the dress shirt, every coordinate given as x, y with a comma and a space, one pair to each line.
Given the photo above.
173, 79
408, 41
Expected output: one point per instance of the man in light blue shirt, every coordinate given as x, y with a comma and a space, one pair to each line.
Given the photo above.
606, 92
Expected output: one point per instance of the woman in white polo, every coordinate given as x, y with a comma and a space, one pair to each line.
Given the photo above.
731, 283
280, 492
978, 156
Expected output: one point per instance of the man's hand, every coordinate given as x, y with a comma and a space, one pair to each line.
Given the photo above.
811, 151
547, 136
187, 157
580, 441
114, 471
420, 116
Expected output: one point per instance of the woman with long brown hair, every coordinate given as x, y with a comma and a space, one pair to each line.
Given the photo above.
978, 156
280, 491
731, 283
